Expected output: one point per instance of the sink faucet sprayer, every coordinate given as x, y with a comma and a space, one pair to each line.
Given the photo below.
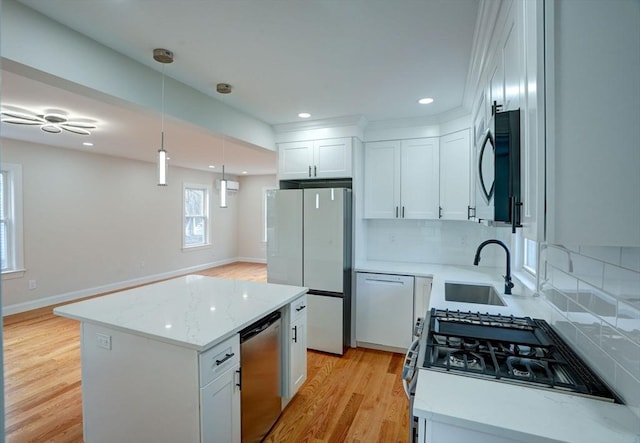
507, 278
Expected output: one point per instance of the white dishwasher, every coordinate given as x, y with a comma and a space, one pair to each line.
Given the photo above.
384, 310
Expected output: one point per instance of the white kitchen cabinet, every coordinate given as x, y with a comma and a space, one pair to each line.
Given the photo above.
384, 310
455, 176
331, 158
422, 297
402, 179
297, 345
592, 114
132, 381
220, 408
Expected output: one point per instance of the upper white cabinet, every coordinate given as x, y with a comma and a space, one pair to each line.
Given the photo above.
331, 158
592, 122
455, 174
401, 179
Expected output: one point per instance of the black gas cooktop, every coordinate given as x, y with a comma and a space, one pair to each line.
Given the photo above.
519, 350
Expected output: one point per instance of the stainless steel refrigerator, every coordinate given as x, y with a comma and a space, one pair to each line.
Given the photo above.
309, 244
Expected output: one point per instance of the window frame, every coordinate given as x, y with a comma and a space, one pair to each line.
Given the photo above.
13, 200
207, 215
265, 190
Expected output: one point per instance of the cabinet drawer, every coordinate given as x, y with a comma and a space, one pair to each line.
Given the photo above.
298, 308
217, 360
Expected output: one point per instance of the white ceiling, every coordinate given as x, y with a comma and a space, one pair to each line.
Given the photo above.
370, 58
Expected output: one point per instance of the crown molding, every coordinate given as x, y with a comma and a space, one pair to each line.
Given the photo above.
358, 121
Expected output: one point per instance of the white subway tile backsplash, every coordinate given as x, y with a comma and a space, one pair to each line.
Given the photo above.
601, 362
630, 259
622, 283
607, 254
562, 281
588, 269
596, 295
628, 320
626, 385
559, 257
433, 241
596, 301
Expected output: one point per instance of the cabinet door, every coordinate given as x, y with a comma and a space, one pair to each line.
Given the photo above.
332, 158
455, 175
298, 349
496, 83
295, 160
419, 189
381, 179
220, 409
512, 66
384, 309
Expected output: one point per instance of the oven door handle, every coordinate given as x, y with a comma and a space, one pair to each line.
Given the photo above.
410, 360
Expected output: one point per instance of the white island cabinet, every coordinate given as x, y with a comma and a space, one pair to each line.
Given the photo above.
160, 362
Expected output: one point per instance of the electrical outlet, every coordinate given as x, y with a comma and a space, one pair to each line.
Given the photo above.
32, 284
103, 341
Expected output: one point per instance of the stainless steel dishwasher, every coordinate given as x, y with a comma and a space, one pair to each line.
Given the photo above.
260, 362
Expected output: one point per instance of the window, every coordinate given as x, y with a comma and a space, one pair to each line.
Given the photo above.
11, 255
530, 256
196, 215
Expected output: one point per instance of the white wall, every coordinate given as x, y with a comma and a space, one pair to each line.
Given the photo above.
252, 246
94, 223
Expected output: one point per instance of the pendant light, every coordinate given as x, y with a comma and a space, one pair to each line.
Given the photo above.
223, 88
163, 56
223, 183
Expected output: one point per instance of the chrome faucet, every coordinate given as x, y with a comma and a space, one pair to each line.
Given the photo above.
508, 284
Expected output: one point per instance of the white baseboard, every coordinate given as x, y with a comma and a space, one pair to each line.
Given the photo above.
252, 260
82, 293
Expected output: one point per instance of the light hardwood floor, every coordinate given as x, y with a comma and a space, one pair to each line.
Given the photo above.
354, 398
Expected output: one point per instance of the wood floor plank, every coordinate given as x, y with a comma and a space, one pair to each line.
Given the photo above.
354, 398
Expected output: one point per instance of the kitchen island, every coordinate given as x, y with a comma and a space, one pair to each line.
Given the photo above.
160, 362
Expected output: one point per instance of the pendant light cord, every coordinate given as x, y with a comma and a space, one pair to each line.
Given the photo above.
162, 114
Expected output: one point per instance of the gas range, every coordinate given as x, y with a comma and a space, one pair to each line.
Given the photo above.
518, 350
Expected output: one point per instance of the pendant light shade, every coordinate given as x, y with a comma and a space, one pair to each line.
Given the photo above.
162, 164
163, 56
223, 190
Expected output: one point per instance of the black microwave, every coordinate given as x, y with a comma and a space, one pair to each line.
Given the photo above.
498, 170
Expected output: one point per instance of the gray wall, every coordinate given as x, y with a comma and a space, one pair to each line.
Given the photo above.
94, 223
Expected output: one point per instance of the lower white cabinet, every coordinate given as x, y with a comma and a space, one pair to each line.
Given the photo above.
384, 310
298, 345
220, 408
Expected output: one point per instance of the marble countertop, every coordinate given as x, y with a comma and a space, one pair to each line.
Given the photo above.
193, 311
521, 413
513, 411
516, 304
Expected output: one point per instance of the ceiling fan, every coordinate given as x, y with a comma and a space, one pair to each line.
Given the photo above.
52, 121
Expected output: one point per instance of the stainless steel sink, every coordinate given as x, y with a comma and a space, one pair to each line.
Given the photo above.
469, 293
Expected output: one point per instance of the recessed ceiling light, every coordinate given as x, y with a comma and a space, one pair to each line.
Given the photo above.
244, 172
87, 144
304, 115
425, 101
212, 166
